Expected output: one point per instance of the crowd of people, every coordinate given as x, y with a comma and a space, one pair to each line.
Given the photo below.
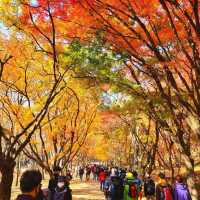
122, 184
116, 184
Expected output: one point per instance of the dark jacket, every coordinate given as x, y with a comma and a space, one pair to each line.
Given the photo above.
149, 187
116, 188
159, 191
24, 197
53, 184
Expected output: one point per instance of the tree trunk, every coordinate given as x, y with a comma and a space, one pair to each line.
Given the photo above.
18, 171
7, 171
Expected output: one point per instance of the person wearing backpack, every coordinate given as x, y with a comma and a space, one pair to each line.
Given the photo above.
116, 189
62, 191
181, 191
132, 187
149, 188
163, 189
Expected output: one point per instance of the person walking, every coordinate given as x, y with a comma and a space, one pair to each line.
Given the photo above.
163, 189
132, 187
102, 178
116, 188
62, 191
107, 187
81, 173
54, 180
181, 191
88, 172
149, 188
68, 176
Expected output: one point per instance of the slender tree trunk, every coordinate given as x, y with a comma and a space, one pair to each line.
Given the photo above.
18, 171
7, 171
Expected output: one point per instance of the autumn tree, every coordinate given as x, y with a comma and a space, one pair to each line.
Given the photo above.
32, 77
65, 129
161, 41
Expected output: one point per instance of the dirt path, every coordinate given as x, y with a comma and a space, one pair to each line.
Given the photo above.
80, 190
86, 191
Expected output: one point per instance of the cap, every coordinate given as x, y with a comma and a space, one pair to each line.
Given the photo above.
61, 179
129, 175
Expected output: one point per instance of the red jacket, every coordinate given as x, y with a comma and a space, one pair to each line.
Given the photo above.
102, 176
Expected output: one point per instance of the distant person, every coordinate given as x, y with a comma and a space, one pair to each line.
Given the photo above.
81, 173
149, 188
30, 185
62, 191
88, 172
163, 189
107, 187
138, 182
94, 172
113, 171
54, 180
181, 191
102, 178
68, 176
116, 189
132, 186
97, 171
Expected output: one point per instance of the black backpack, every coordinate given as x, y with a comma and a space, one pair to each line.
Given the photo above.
117, 185
149, 187
60, 195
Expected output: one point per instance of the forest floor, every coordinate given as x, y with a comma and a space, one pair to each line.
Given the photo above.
80, 190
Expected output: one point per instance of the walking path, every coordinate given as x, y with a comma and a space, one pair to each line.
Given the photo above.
81, 191
86, 191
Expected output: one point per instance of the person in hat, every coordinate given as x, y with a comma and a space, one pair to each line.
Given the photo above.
54, 179
132, 187
62, 191
163, 188
181, 191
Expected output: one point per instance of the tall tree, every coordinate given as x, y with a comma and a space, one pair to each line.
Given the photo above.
31, 79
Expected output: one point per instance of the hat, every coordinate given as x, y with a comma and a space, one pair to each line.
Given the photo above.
61, 179
129, 175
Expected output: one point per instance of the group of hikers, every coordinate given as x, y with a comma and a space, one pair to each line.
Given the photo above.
120, 184
116, 184
58, 188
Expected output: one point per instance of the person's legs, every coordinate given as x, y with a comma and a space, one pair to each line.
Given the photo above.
103, 184
81, 177
100, 185
152, 198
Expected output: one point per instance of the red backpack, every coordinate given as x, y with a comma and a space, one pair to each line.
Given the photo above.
132, 190
166, 193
